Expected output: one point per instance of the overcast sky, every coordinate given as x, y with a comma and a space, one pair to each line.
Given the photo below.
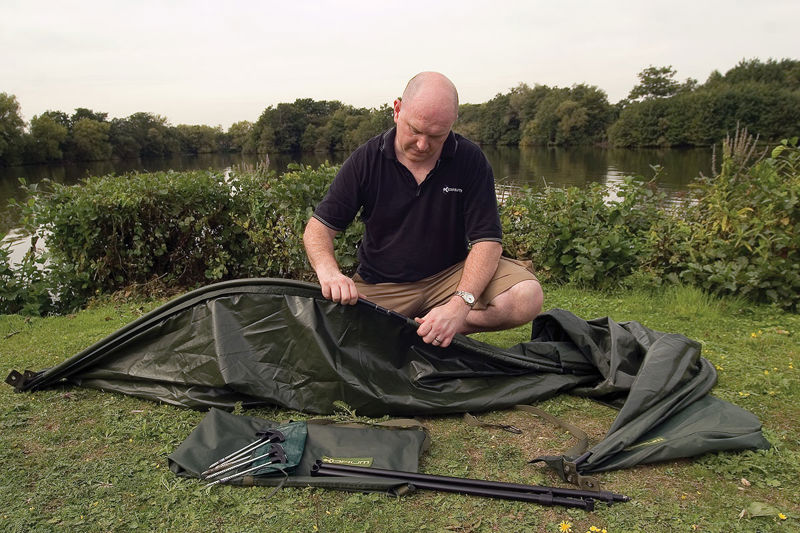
215, 63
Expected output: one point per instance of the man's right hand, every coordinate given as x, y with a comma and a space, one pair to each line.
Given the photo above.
339, 288
318, 240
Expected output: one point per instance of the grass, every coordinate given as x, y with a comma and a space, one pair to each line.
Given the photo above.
83, 460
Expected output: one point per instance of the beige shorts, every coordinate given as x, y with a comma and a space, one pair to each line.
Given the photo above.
416, 298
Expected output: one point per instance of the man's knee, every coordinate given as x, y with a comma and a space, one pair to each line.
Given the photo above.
521, 302
528, 299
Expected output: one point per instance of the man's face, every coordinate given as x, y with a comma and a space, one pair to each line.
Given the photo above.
420, 132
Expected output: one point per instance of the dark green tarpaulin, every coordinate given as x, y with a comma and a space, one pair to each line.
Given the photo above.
279, 342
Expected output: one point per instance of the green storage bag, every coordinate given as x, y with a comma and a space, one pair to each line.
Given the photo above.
396, 445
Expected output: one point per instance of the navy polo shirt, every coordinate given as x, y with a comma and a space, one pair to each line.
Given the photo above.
413, 231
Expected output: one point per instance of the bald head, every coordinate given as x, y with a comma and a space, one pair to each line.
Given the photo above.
432, 91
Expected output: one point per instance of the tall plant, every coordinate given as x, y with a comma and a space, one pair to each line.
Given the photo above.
744, 227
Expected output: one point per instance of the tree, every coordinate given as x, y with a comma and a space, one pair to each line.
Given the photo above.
197, 139
82, 112
655, 82
142, 135
90, 138
241, 134
12, 128
784, 73
47, 135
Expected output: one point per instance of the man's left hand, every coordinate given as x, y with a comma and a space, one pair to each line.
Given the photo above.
440, 325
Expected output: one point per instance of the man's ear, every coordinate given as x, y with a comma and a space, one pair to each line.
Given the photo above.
396, 106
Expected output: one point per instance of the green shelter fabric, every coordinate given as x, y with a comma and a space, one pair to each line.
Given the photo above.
279, 342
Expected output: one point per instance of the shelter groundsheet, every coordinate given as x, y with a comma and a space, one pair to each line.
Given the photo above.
279, 342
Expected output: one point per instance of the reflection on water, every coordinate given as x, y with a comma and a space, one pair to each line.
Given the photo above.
514, 167
564, 167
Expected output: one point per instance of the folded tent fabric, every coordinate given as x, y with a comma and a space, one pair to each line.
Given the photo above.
279, 342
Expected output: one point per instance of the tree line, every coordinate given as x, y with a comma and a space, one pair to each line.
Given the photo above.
660, 110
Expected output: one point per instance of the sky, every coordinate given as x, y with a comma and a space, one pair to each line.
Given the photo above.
216, 63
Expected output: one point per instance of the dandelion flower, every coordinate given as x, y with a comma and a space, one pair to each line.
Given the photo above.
782, 516
565, 527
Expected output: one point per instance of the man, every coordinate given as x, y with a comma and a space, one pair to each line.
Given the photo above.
432, 244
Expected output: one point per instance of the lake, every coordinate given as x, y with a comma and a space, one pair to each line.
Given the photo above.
531, 166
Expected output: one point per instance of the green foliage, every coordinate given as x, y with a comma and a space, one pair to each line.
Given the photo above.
25, 289
240, 137
657, 82
277, 212
308, 125
46, 139
539, 116
743, 231
11, 129
198, 139
580, 235
112, 231
763, 96
167, 229
90, 140
737, 234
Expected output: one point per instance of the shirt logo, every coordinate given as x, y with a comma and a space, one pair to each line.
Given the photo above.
451, 189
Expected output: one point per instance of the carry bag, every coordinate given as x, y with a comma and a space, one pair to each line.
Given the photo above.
395, 445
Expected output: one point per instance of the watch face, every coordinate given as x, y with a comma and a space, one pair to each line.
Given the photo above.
467, 297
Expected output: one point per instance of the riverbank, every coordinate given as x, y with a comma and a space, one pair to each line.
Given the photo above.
531, 166
95, 461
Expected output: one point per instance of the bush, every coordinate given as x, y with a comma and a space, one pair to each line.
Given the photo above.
24, 289
179, 229
112, 231
579, 235
277, 212
743, 230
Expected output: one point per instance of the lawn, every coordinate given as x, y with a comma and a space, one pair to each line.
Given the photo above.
83, 460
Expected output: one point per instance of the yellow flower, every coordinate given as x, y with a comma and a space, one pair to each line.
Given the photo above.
594, 529
565, 527
753, 335
782, 516
766, 372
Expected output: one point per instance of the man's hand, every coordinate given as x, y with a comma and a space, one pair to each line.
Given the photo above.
338, 287
441, 323
318, 240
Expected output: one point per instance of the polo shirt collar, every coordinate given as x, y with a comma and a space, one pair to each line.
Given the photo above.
387, 145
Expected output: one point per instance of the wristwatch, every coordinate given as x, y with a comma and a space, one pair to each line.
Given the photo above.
468, 297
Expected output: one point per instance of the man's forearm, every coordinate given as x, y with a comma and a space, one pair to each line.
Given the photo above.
318, 241
480, 266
